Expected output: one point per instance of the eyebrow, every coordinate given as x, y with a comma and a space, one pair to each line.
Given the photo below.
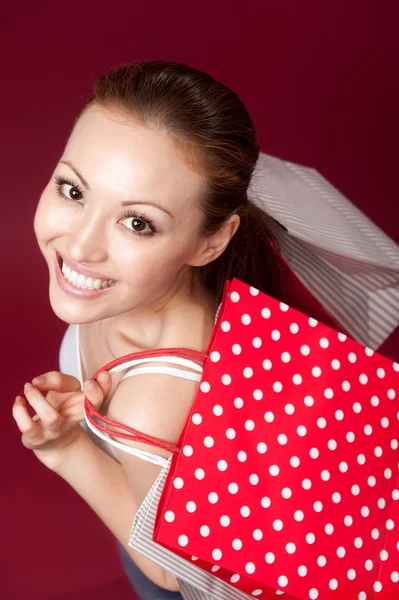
124, 203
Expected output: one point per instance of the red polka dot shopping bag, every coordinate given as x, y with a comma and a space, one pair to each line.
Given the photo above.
287, 480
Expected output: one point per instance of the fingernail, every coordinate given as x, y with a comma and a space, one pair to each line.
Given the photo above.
27, 387
105, 377
39, 380
90, 385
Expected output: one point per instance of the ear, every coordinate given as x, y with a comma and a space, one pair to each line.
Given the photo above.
211, 247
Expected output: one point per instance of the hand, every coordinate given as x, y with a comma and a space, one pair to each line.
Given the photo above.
56, 425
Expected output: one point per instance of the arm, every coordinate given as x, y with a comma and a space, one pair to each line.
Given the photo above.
103, 484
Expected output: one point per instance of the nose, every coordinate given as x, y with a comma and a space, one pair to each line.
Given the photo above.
87, 242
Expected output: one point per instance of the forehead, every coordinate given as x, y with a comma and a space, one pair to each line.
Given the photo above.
124, 157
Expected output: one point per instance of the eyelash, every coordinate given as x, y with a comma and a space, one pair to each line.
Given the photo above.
60, 181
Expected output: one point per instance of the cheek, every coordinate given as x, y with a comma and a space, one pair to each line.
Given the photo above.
49, 220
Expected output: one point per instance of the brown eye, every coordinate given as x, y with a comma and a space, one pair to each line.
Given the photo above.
138, 224
74, 192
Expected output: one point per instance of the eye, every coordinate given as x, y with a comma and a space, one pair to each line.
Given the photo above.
71, 194
139, 223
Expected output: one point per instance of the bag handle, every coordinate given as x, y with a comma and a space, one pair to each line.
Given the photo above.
134, 434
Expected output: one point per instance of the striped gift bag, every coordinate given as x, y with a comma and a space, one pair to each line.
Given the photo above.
337, 263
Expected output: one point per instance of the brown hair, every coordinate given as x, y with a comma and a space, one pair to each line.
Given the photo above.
210, 122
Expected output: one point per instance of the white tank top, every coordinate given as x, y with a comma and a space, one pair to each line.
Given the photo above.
70, 363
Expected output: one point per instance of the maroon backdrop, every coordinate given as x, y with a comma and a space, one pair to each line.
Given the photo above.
320, 81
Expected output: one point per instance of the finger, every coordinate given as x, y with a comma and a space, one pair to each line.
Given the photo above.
57, 381
44, 410
21, 415
104, 380
93, 392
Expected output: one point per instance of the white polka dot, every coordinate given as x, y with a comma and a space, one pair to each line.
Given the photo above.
225, 326
368, 430
316, 371
269, 417
384, 422
188, 450
348, 520
310, 538
199, 473
250, 568
282, 581
253, 291
269, 557
361, 459
365, 511
256, 593
191, 506
351, 574
245, 319
215, 568
395, 366
305, 350
233, 488
350, 437
282, 439
178, 483
336, 497
267, 364
169, 516
278, 525
384, 555
234, 296
394, 444
339, 415
352, 357
248, 372
355, 489
301, 430
333, 584
236, 349
321, 561
375, 400
205, 386
391, 394
294, 461
222, 465
258, 395
182, 540
257, 534
277, 386
298, 515
242, 456
308, 400
313, 322
286, 492
225, 521
377, 586
265, 502
215, 356
318, 506
245, 511
302, 570
234, 578
261, 447
226, 379
239, 402
196, 419
357, 407
381, 503
294, 328
371, 481
217, 410
341, 552
381, 373
213, 497
194, 558
329, 529
321, 422
369, 351
266, 313
313, 594
395, 494
395, 576
346, 386
362, 596
289, 409
254, 479
358, 542
274, 470
389, 524
335, 364
306, 484
204, 530
328, 393
297, 379
249, 425
230, 433
286, 357
216, 554
276, 335
343, 466
209, 441
284, 307
314, 453
325, 475
375, 534
342, 337
363, 379
332, 444
257, 342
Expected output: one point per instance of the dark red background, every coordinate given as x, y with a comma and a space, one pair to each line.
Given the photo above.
320, 81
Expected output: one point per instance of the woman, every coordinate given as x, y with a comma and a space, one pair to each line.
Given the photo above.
148, 209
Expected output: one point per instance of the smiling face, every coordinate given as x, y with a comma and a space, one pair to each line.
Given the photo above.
83, 220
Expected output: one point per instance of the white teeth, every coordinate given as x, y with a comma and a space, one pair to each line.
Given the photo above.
80, 281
